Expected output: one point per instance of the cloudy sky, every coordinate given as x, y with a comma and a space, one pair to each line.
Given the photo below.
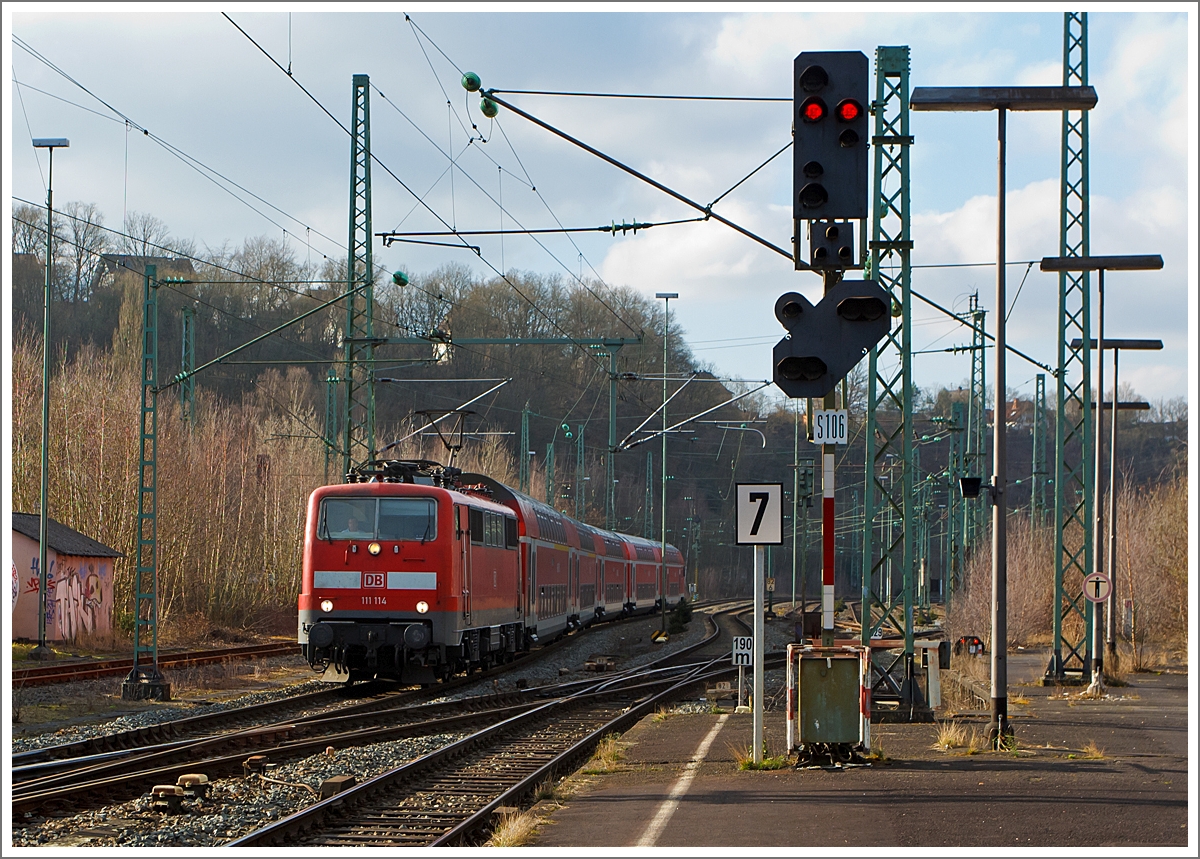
203, 88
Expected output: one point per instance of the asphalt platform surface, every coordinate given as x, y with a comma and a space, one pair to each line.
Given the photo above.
1111, 772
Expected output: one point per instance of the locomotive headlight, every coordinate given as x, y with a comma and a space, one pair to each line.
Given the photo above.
373, 548
326, 605
422, 607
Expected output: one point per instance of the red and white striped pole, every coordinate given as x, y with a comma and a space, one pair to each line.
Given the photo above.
827, 524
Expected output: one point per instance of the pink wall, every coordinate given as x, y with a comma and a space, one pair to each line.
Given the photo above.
79, 596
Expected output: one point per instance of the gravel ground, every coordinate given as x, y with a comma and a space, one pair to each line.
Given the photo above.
234, 806
237, 806
145, 718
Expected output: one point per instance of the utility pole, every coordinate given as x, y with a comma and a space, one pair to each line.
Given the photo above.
523, 459
648, 504
359, 443
187, 364
579, 497
42, 651
1001, 100
144, 679
1037, 491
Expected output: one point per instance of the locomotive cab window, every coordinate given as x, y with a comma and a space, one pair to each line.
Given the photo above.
383, 519
408, 519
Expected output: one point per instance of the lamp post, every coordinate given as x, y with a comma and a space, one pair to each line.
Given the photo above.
1142, 262
1116, 346
51, 143
1001, 100
666, 297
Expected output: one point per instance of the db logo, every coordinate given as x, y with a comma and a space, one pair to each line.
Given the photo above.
372, 580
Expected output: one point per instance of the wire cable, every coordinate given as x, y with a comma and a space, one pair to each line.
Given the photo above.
680, 197
403, 184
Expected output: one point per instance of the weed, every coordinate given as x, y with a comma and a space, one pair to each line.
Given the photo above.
1020, 701
660, 715
545, 790
1114, 676
976, 743
514, 830
609, 754
950, 735
745, 759
1092, 752
716, 709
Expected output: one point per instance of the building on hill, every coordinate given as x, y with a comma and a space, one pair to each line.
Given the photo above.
79, 583
112, 265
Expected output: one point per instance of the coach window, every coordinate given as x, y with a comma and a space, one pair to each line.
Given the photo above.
408, 519
475, 517
347, 519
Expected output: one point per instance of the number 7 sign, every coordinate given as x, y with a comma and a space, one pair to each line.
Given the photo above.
759, 514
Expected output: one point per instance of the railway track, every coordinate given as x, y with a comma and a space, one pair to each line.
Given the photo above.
241, 718
71, 671
51, 781
448, 796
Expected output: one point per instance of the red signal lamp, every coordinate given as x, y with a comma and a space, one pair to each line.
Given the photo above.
849, 110
813, 110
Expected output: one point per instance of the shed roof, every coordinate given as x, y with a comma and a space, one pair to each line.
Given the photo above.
60, 538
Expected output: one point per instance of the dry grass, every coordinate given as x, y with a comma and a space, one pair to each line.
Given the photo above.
950, 735
515, 830
608, 757
546, 790
976, 743
877, 754
1092, 752
1152, 563
745, 759
1020, 701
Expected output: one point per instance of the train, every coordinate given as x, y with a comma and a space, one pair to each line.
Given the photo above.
414, 571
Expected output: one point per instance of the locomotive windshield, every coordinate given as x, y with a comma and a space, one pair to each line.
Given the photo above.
378, 519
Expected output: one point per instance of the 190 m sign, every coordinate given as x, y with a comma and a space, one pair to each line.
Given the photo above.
830, 427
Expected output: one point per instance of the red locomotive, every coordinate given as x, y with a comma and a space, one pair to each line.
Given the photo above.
415, 571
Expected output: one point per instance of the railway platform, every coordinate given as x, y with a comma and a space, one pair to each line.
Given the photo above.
1111, 772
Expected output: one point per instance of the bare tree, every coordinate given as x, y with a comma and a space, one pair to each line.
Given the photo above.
145, 235
29, 233
86, 240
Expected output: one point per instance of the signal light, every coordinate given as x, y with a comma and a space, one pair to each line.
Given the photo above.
813, 195
827, 339
830, 155
831, 245
806, 369
813, 78
813, 110
860, 309
849, 110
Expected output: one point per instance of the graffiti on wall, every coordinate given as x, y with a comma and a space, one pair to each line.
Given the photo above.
79, 601
32, 585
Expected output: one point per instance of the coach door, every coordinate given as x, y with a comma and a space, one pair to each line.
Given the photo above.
464, 530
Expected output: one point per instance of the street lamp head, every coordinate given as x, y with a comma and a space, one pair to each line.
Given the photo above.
666, 295
1110, 343
964, 98
970, 486
51, 143
1133, 262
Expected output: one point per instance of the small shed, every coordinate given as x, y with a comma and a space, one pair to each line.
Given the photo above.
79, 583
